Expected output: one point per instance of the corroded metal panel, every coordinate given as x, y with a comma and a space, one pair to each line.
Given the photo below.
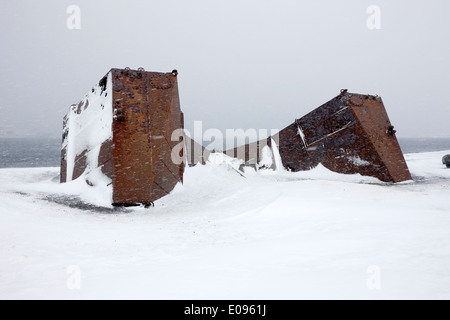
349, 134
133, 177
146, 124
147, 112
380, 134
251, 152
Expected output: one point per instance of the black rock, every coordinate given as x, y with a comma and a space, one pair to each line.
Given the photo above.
446, 160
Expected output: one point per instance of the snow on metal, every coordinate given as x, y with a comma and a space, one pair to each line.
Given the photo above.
120, 137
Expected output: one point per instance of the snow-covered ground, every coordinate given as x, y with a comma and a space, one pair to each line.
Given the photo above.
269, 235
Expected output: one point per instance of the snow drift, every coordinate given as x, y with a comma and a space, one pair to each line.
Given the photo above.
268, 235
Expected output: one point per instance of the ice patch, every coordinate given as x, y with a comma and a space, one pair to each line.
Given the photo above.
357, 161
302, 135
276, 155
266, 158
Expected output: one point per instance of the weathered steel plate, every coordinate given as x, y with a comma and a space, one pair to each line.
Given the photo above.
145, 113
349, 134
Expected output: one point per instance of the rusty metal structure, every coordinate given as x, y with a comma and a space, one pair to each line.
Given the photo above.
349, 134
136, 114
127, 138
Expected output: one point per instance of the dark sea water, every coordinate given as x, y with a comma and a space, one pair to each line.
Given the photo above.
39, 152
29, 152
415, 145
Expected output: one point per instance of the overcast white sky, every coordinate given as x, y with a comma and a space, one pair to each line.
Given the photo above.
242, 64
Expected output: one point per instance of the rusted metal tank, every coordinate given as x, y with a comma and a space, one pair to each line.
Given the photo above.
349, 134
125, 131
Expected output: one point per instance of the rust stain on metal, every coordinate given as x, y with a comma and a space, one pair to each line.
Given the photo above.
145, 113
349, 134
135, 113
